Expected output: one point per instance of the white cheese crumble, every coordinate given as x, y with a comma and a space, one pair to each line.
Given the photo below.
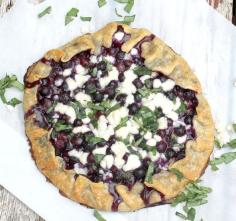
145, 77
151, 142
80, 69
58, 82
110, 59
77, 82
79, 170
129, 99
93, 59
81, 129
82, 156
67, 110
131, 127
83, 98
119, 35
177, 104
134, 51
101, 150
132, 163
127, 86
86, 120
157, 138
119, 162
148, 135
115, 117
119, 149
104, 130
67, 72
168, 85
182, 139
157, 83
112, 75
162, 123
154, 157
107, 162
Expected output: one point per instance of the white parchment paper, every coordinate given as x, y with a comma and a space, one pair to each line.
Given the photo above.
203, 37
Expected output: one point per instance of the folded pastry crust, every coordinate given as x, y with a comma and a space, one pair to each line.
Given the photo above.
159, 57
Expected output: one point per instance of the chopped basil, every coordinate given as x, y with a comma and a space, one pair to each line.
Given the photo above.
94, 72
8, 82
232, 143
61, 126
148, 83
70, 15
83, 18
225, 158
149, 173
178, 174
142, 70
234, 127
217, 143
138, 142
127, 20
117, 13
93, 119
113, 108
46, 11
98, 158
122, 123
144, 92
95, 107
182, 108
191, 213
105, 104
98, 216
79, 109
93, 140
50, 109
129, 6
101, 3
109, 65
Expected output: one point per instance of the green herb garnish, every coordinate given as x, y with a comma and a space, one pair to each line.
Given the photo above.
101, 3
117, 13
232, 143
61, 126
190, 214
182, 108
127, 20
98, 158
79, 109
9, 82
129, 6
225, 158
178, 174
70, 15
142, 70
98, 216
217, 144
46, 11
149, 173
113, 108
93, 140
122, 123
83, 18
95, 107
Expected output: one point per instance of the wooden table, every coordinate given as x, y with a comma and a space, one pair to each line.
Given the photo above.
12, 209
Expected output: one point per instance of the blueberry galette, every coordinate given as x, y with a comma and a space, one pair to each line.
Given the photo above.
110, 114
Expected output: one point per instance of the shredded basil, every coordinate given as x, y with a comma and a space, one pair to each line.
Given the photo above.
98, 158
113, 108
95, 107
83, 18
79, 109
61, 126
182, 108
232, 143
98, 216
70, 15
46, 11
93, 140
127, 20
9, 82
149, 173
142, 70
129, 6
178, 174
101, 3
225, 158
122, 123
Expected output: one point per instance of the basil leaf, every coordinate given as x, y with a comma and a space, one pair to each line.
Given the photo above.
93, 140
129, 6
178, 174
127, 20
149, 173
98, 158
142, 70
113, 108
232, 143
46, 11
70, 15
217, 144
94, 106
225, 158
8, 82
62, 127
98, 216
182, 108
191, 214
83, 18
181, 215
79, 109
117, 13
101, 3
138, 142
144, 92
122, 123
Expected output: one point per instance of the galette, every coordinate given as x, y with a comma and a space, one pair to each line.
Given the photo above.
114, 117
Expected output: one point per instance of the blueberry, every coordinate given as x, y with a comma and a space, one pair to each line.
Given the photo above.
102, 143
180, 131
121, 98
45, 91
127, 63
46, 103
120, 55
170, 95
138, 83
102, 66
138, 61
113, 84
45, 81
78, 123
67, 64
89, 147
111, 92
169, 153
120, 66
64, 98
161, 147
188, 119
189, 95
139, 173
98, 97
76, 140
133, 108
121, 77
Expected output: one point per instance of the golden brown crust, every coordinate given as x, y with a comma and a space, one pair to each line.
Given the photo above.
159, 57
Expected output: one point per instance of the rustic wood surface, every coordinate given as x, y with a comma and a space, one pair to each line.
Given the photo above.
12, 209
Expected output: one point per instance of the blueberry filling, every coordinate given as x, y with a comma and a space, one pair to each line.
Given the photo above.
111, 118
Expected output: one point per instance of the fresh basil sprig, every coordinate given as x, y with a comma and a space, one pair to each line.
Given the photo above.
10, 82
